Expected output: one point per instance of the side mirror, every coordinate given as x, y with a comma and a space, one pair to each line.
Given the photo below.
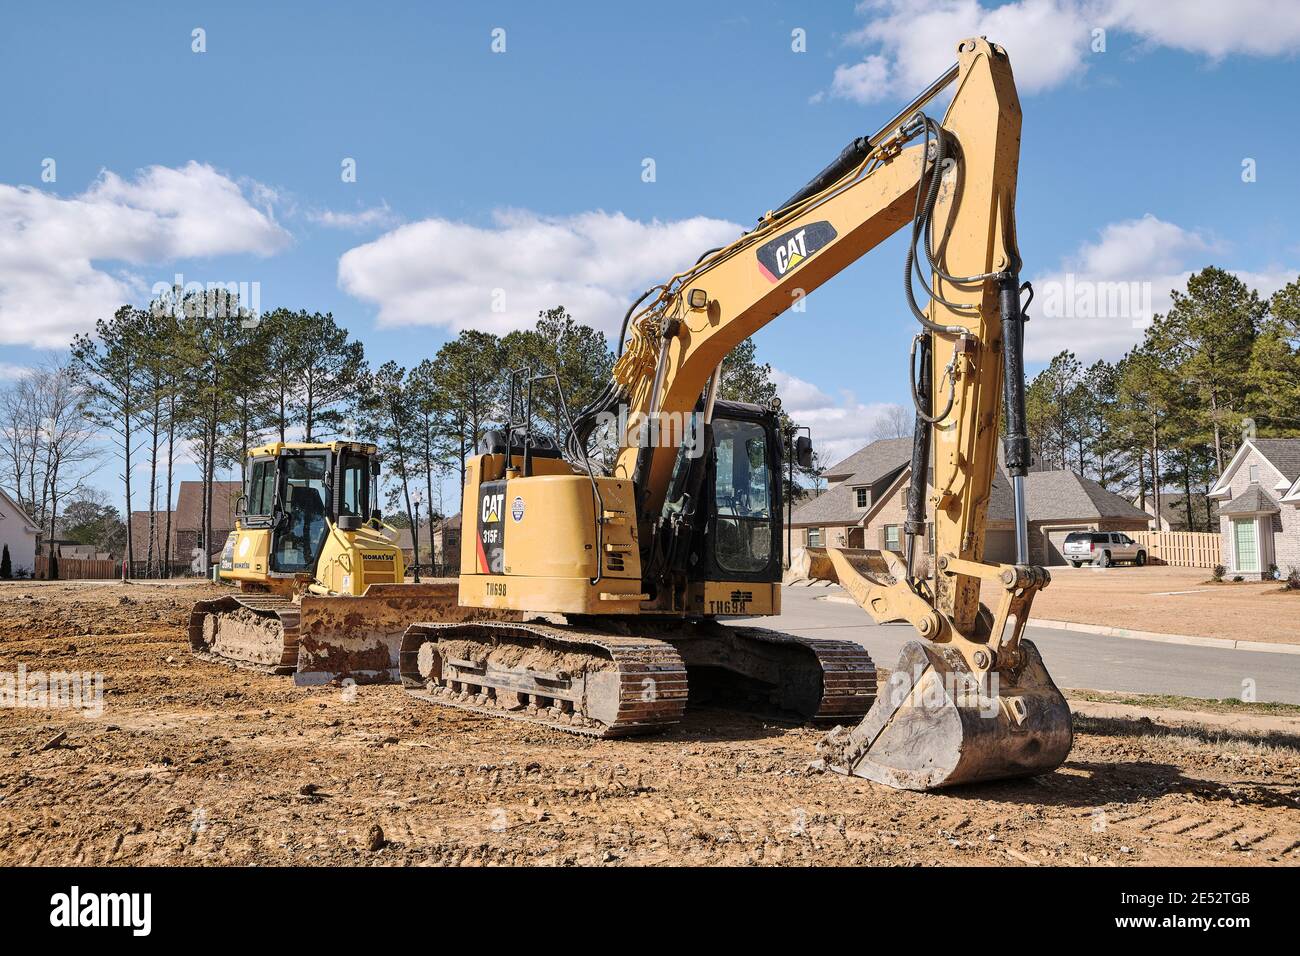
803, 451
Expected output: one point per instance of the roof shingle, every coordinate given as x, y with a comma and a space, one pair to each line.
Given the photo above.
1253, 501
1282, 453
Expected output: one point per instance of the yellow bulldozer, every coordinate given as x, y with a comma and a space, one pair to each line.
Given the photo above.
320, 576
594, 600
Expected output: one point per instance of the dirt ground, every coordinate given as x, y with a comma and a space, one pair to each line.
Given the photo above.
1171, 601
197, 763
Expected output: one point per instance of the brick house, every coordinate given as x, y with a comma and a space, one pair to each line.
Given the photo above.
187, 523
834, 518
444, 539
865, 504
1259, 508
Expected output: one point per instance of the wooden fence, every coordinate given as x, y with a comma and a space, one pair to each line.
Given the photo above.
1184, 549
79, 568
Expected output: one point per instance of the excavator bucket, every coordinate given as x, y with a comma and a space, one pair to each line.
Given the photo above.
936, 722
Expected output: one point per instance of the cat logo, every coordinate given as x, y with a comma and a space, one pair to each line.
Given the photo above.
492, 508
779, 256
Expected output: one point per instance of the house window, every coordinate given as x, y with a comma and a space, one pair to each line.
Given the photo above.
893, 537
1254, 474
814, 539
864, 497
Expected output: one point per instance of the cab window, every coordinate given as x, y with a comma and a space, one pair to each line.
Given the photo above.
742, 496
261, 488
300, 541
354, 490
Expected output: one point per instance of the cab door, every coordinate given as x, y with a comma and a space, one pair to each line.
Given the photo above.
301, 519
744, 526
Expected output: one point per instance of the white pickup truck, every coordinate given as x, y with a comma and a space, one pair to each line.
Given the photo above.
1102, 548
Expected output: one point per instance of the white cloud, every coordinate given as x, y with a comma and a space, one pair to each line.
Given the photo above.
839, 426
910, 42
373, 217
1215, 28
914, 42
863, 82
450, 274
52, 249
1099, 300
9, 372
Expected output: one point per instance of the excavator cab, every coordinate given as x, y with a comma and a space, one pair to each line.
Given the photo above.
720, 519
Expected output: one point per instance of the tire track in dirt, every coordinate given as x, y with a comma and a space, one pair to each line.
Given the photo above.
195, 763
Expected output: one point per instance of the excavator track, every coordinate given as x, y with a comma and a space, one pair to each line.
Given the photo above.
772, 673
591, 681
255, 631
581, 681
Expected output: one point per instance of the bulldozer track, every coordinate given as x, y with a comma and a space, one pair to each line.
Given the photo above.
646, 692
284, 609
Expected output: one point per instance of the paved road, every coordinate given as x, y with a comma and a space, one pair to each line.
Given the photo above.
1074, 659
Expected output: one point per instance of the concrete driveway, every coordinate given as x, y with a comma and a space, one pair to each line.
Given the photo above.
1075, 660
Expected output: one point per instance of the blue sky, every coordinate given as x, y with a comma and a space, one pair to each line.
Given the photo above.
523, 169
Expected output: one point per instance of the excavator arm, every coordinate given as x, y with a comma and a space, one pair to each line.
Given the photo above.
953, 183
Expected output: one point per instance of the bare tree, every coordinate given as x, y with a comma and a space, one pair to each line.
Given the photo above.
20, 429
894, 422
47, 438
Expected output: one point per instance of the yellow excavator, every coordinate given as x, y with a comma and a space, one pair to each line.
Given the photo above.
591, 600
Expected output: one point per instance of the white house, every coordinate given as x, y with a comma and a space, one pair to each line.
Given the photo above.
18, 531
1259, 507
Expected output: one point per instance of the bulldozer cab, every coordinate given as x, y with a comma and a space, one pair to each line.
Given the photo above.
295, 492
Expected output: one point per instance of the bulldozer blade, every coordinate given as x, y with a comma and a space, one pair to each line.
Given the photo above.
935, 724
358, 638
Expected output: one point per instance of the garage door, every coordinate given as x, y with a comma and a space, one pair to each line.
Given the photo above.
1056, 541
1000, 547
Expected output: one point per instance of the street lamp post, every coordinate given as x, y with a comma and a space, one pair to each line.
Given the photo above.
415, 536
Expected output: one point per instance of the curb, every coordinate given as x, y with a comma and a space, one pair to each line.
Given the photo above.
1191, 640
